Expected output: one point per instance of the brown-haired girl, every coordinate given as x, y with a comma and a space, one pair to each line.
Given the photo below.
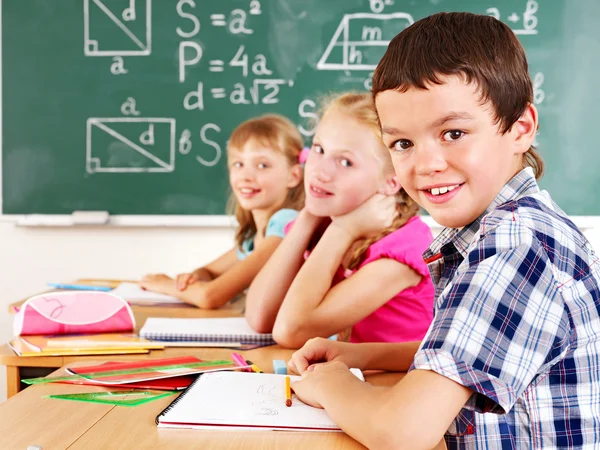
266, 181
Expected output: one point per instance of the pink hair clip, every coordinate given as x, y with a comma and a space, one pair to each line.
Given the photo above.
303, 156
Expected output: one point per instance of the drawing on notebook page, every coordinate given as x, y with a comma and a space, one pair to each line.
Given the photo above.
267, 400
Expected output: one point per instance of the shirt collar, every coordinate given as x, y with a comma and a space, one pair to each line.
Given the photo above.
522, 184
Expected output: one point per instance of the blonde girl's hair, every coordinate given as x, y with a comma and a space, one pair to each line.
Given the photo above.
279, 134
361, 108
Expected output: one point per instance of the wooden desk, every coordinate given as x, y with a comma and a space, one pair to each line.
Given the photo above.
18, 367
28, 419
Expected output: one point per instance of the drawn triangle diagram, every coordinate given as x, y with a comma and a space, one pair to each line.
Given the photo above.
117, 31
361, 39
130, 145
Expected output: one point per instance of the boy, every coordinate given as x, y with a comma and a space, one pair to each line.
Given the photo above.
512, 358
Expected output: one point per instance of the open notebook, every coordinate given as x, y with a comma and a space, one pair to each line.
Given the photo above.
243, 400
228, 329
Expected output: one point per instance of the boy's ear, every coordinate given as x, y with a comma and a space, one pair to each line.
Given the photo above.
295, 176
391, 186
525, 129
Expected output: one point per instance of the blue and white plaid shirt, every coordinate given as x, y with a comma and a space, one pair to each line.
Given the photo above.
517, 320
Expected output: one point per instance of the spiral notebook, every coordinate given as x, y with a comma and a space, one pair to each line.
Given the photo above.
242, 400
229, 329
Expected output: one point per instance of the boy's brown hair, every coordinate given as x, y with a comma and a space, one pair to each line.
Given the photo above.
480, 48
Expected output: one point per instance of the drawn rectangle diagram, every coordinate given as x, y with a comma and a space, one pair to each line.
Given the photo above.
117, 27
130, 145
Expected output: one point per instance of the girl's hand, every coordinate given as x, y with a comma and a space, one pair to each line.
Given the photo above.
318, 380
183, 280
157, 282
319, 350
374, 215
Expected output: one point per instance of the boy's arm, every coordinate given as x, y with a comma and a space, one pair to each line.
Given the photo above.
392, 357
270, 286
313, 308
414, 414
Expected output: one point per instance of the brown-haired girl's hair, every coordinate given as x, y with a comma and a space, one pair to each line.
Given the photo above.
280, 134
361, 108
480, 48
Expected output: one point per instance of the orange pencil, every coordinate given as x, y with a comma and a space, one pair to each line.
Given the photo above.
288, 392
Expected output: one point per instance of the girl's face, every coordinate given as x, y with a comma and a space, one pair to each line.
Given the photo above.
260, 177
342, 170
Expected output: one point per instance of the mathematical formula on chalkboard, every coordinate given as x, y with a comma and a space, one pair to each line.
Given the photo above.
355, 48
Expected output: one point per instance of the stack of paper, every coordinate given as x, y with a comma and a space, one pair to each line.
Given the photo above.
135, 295
126, 373
92, 344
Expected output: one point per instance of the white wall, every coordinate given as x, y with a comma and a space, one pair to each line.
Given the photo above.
31, 257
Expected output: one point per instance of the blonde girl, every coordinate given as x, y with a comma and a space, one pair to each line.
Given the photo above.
352, 258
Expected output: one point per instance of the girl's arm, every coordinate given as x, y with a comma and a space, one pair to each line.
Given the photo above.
232, 280
208, 272
217, 267
270, 286
235, 276
414, 414
312, 308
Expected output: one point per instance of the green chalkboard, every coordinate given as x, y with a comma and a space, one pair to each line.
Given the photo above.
125, 106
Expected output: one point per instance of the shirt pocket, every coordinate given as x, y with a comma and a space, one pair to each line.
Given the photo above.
463, 425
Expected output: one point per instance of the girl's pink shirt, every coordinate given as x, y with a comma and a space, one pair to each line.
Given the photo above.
406, 316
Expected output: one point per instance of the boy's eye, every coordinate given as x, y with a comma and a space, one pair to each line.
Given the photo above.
318, 149
453, 135
262, 165
346, 162
237, 164
401, 145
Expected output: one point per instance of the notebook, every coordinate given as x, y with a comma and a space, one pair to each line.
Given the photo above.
242, 400
162, 384
135, 295
127, 372
229, 329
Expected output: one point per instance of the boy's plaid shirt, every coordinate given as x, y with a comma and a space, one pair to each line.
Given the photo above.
517, 320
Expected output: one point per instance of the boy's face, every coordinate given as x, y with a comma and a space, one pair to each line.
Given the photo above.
447, 151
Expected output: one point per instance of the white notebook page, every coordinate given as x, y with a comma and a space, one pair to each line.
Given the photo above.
243, 399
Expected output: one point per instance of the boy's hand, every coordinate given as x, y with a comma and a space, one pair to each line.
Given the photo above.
374, 215
319, 350
317, 380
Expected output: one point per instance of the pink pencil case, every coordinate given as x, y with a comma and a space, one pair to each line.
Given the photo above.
72, 313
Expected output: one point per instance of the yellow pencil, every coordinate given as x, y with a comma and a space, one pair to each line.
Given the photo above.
288, 392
